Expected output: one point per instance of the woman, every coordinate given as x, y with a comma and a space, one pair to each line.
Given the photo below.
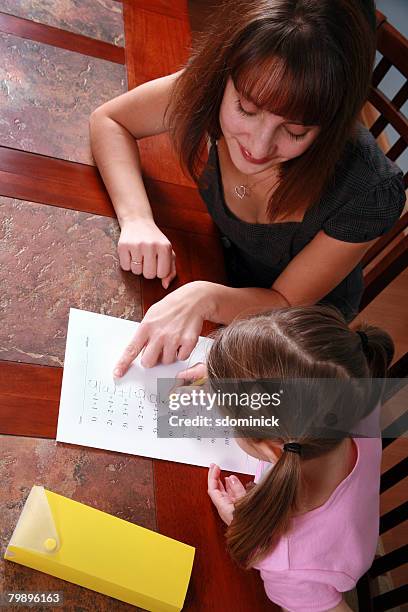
297, 188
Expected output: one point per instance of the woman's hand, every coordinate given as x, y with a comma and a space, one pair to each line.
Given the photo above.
170, 328
224, 498
144, 249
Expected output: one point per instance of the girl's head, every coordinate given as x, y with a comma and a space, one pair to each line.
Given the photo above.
310, 343
300, 68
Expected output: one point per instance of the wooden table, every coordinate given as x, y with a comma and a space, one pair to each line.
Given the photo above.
160, 495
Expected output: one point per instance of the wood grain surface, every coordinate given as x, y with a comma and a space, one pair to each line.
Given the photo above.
49, 35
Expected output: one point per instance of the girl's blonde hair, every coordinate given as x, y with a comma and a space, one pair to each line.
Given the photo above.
311, 343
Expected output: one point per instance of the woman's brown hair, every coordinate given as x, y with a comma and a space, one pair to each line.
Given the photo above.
306, 60
312, 343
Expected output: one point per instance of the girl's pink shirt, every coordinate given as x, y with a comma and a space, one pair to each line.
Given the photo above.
328, 549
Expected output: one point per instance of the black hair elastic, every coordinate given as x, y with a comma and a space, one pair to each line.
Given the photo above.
364, 341
292, 447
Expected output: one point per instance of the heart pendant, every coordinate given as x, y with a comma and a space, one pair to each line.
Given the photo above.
241, 191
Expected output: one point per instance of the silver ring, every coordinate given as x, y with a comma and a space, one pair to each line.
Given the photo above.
136, 263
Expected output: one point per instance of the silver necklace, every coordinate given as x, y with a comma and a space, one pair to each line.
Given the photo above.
242, 191
246, 191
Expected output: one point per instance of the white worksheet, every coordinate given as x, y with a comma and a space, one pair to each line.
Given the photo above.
97, 411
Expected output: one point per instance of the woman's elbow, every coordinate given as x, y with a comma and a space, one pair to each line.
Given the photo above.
96, 115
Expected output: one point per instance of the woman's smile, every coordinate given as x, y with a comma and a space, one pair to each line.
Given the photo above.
248, 157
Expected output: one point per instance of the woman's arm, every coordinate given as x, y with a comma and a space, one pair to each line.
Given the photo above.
115, 128
171, 327
310, 276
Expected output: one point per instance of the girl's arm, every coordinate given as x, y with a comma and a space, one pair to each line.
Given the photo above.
115, 128
342, 607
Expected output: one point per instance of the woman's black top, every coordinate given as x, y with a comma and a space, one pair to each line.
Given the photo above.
364, 201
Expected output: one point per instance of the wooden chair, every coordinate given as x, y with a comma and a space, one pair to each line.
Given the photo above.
369, 598
391, 250
385, 260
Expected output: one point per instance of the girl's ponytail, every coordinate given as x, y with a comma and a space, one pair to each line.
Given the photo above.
263, 514
378, 348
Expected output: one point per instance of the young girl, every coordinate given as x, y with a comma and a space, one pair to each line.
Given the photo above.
297, 188
310, 525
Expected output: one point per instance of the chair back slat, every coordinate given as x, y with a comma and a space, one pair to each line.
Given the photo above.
393, 45
395, 151
392, 599
390, 107
385, 240
398, 370
388, 268
392, 115
395, 430
390, 561
379, 126
365, 601
401, 96
394, 517
380, 71
394, 475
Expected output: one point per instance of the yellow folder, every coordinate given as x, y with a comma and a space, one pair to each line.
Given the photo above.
99, 551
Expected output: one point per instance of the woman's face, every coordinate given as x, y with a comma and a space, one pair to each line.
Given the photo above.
257, 139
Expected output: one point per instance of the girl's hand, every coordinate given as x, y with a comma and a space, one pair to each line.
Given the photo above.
197, 371
186, 379
224, 498
142, 241
169, 330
